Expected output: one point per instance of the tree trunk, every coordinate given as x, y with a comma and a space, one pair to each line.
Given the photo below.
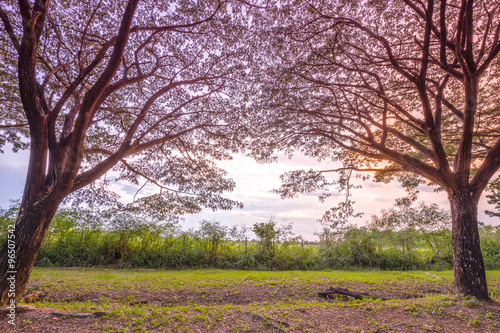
427, 240
30, 229
468, 265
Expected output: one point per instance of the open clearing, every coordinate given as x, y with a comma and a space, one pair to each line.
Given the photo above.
101, 300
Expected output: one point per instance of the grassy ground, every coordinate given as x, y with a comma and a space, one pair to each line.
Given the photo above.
100, 300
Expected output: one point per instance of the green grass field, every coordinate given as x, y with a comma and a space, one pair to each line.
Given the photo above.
252, 301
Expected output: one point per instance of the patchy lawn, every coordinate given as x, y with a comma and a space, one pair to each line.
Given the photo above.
100, 300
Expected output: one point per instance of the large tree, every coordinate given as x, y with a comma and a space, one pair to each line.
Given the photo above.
395, 87
137, 87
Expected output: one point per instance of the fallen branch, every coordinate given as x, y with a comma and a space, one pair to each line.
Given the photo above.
96, 314
344, 292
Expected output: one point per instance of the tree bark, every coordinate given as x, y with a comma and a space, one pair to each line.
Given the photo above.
30, 230
468, 266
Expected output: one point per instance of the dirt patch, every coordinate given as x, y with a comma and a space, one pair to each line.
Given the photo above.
240, 294
338, 316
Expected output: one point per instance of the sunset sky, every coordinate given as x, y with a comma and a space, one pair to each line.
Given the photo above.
254, 183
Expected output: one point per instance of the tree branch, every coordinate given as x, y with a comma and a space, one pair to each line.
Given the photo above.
9, 29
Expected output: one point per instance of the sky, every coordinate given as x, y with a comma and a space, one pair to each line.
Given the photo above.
254, 185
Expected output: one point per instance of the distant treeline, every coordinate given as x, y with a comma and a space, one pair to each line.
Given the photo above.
129, 242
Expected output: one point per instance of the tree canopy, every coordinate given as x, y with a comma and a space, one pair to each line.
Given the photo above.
150, 102
385, 86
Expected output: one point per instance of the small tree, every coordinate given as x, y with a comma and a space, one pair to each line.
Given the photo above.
494, 197
214, 234
407, 219
238, 232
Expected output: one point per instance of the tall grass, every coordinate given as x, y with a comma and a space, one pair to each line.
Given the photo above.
70, 242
